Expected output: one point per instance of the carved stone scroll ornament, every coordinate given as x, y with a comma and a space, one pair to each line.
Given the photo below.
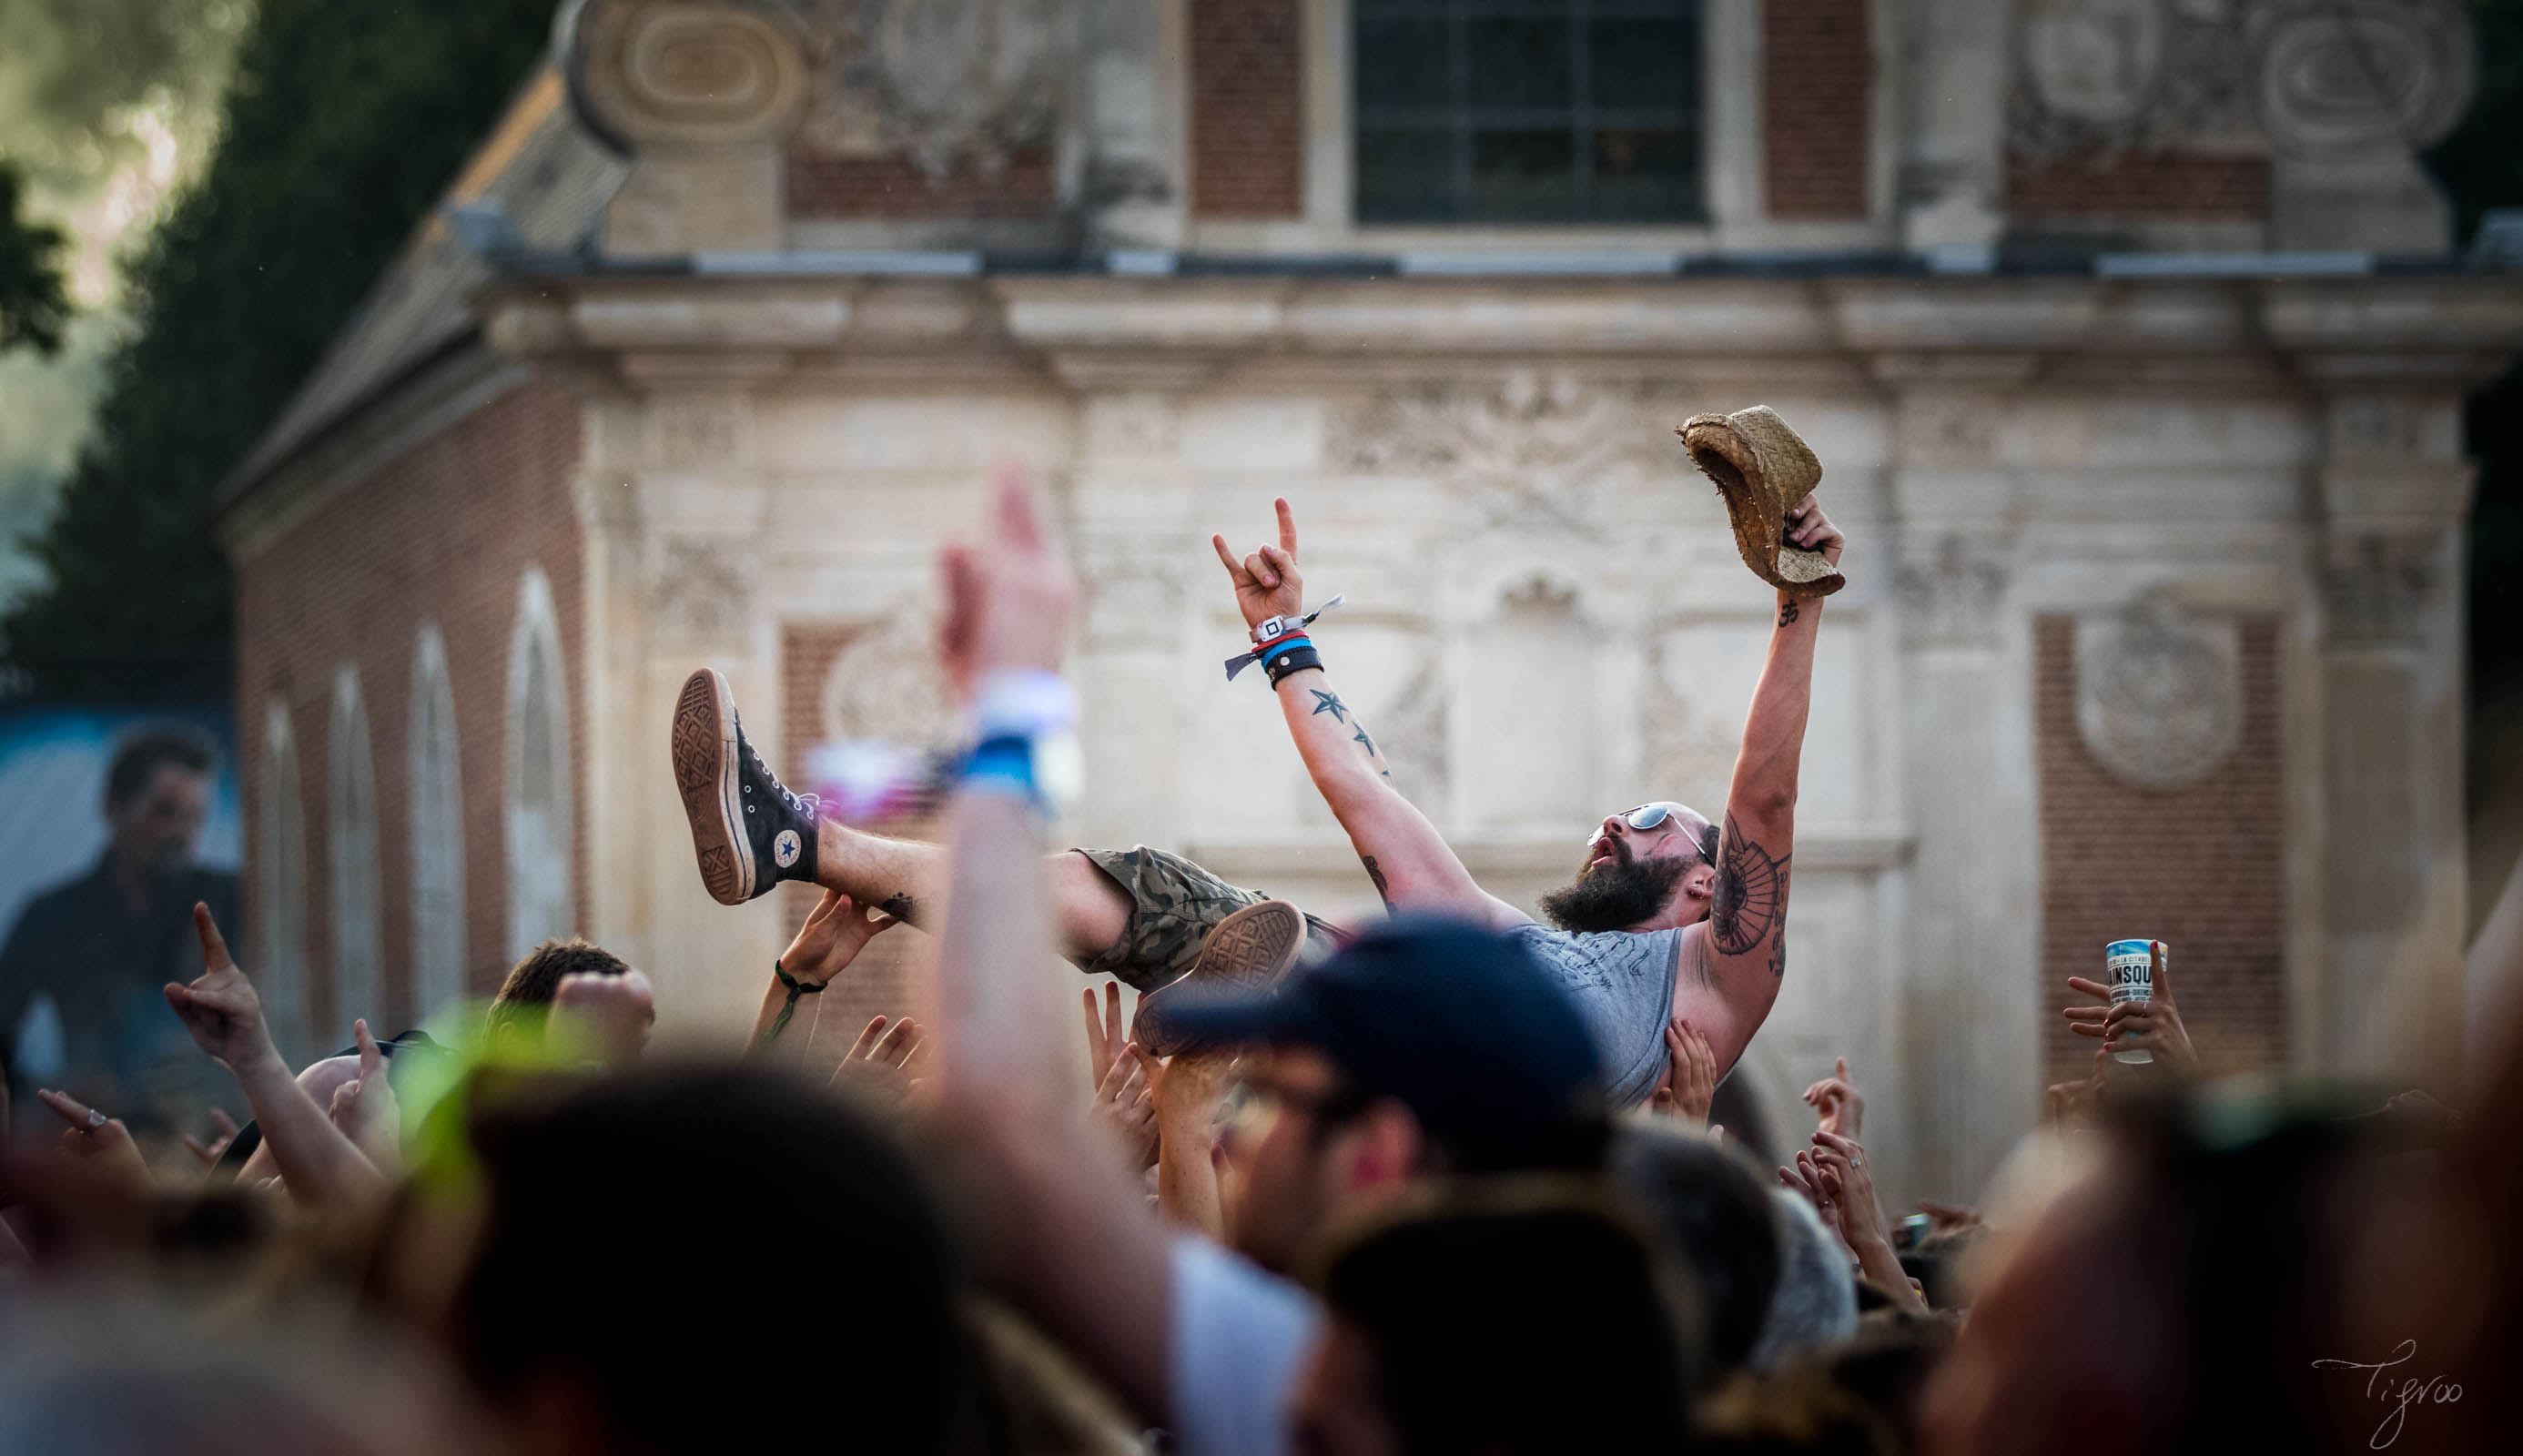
2159, 702
661, 73
2339, 76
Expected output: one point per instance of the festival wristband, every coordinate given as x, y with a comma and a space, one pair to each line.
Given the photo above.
789, 1008
1028, 703
1295, 661
1271, 632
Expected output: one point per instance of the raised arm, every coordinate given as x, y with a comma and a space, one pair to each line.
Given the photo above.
319, 1163
1411, 865
1072, 1239
1733, 961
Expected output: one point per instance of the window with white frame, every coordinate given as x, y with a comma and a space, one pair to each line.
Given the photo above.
540, 842
279, 968
351, 862
1527, 111
437, 832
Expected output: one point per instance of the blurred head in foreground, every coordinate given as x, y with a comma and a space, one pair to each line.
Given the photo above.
1714, 1214
662, 1252
1422, 1046
1515, 1316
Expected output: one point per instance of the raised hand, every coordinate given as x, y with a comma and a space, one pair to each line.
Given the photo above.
1689, 1082
1007, 602
881, 1063
1810, 529
1835, 1097
835, 933
100, 1143
1125, 1106
2151, 1025
221, 1009
1840, 1164
1266, 582
365, 1107
210, 1152
611, 1014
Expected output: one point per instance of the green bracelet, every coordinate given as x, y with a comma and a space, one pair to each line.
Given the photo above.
789, 1008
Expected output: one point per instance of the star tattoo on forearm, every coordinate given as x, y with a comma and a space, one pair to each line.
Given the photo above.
1361, 738
1329, 702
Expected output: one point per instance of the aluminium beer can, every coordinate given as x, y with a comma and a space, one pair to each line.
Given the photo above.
2129, 970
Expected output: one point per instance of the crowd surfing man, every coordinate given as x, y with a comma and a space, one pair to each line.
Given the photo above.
1669, 917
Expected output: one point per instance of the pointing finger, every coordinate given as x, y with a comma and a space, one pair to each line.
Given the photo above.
1287, 526
1226, 555
370, 1059
215, 947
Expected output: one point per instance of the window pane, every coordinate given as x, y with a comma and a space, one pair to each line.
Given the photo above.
1644, 62
1646, 175
1404, 175
1519, 63
1523, 174
1402, 63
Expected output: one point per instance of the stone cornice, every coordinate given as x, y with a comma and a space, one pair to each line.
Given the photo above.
1101, 332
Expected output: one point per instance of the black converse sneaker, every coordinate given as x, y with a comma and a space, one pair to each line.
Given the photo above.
748, 831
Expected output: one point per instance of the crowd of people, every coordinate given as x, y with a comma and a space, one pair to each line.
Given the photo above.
1446, 1183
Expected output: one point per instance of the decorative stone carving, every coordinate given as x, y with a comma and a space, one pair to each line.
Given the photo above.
2378, 588
884, 685
2338, 77
1532, 450
2307, 77
700, 588
2159, 702
2099, 76
1412, 737
1951, 594
2095, 61
690, 74
954, 84
1687, 753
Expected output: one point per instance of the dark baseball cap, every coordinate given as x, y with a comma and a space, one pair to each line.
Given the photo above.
1460, 1024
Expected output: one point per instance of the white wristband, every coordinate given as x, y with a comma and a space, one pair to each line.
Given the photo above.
1028, 703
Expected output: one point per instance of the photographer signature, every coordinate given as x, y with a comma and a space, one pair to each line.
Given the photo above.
2410, 1390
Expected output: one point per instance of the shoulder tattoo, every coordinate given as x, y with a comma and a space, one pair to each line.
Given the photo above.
1752, 893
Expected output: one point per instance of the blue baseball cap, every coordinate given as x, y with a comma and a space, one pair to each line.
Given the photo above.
1460, 1024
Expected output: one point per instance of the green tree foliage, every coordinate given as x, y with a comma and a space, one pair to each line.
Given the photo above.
344, 123
32, 306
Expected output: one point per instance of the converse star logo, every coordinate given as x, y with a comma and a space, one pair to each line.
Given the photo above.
786, 849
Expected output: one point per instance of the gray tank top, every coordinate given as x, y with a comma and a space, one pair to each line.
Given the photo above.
1622, 984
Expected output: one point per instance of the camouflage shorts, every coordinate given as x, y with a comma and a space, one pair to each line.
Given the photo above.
1174, 902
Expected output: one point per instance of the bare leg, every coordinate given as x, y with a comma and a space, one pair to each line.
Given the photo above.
906, 878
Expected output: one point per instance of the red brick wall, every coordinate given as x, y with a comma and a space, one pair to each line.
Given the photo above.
2171, 186
821, 186
1816, 63
2200, 869
883, 981
442, 533
1248, 109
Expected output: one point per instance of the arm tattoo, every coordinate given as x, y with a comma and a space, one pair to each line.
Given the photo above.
1778, 954
1383, 891
1329, 702
1361, 738
1752, 893
1786, 613
901, 907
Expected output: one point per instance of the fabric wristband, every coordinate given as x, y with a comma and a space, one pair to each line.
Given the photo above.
1021, 703
789, 1008
1295, 661
1003, 766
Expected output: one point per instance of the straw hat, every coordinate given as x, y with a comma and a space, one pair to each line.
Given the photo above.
1762, 470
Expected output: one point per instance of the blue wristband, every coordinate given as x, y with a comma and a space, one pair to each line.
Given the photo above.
1285, 644
1002, 765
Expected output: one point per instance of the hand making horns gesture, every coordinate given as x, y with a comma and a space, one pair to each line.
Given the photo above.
1267, 584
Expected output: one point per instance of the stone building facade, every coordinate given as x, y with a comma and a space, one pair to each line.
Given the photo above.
2128, 332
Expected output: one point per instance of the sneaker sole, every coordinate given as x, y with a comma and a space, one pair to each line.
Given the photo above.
1249, 949
705, 775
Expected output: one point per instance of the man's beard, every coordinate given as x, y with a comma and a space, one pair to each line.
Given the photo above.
1616, 894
